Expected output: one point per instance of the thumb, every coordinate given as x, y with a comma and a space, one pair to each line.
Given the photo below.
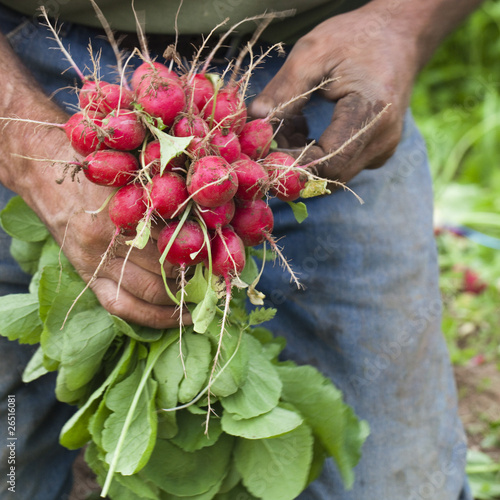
292, 80
261, 106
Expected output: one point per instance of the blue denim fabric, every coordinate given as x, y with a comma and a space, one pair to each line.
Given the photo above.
369, 319
370, 315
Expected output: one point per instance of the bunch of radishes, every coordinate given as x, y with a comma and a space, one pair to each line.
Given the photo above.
177, 145
172, 144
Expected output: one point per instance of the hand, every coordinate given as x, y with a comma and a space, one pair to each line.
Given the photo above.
371, 69
142, 296
84, 239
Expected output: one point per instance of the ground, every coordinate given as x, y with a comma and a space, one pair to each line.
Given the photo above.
479, 393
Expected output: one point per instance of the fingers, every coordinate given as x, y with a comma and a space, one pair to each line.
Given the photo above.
148, 257
143, 284
133, 309
361, 136
128, 283
298, 75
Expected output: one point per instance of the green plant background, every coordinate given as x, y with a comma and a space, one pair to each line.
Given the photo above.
456, 103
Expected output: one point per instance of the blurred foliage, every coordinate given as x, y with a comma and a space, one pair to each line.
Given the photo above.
484, 476
470, 286
456, 104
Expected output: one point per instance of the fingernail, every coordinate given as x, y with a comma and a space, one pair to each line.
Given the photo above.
261, 106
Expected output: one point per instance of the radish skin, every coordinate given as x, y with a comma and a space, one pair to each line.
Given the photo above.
211, 182
110, 168
188, 248
167, 193
127, 208
253, 222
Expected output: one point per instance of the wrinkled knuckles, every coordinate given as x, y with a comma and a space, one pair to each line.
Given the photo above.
153, 291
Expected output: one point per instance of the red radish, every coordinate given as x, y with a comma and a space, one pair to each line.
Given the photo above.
176, 163
226, 109
125, 129
201, 91
286, 183
199, 147
87, 96
227, 145
162, 98
127, 208
84, 133
115, 97
253, 222
167, 193
472, 283
152, 157
188, 248
110, 168
185, 126
211, 182
152, 153
228, 254
253, 181
217, 217
256, 138
104, 97
148, 71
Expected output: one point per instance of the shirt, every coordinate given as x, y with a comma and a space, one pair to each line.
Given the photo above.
194, 16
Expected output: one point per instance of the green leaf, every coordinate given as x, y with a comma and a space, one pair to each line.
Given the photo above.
261, 390
250, 271
260, 315
233, 477
332, 421
204, 312
34, 369
273, 423
64, 393
196, 287
27, 254
232, 369
170, 146
53, 280
168, 371
52, 256
86, 338
52, 337
191, 435
19, 221
139, 435
197, 357
207, 495
318, 461
271, 346
238, 491
96, 423
130, 432
299, 210
276, 468
314, 187
143, 233
94, 460
133, 488
214, 78
136, 332
75, 432
188, 473
19, 318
